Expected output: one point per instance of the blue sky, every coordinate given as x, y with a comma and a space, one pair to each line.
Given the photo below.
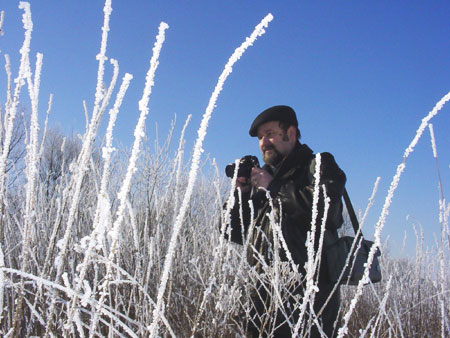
361, 76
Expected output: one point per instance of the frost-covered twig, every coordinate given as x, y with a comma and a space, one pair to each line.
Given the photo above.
122, 195
178, 162
8, 87
385, 211
31, 174
355, 244
2, 17
33, 88
69, 292
311, 288
2, 280
370, 203
259, 30
382, 308
219, 249
32, 148
108, 149
441, 189
442, 203
102, 216
85, 153
275, 281
13, 99
44, 133
280, 237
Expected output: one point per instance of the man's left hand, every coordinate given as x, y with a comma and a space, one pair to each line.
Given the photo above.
260, 178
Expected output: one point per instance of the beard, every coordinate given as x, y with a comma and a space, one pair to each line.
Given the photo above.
273, 157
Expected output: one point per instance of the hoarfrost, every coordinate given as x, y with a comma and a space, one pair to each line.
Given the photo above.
259, 30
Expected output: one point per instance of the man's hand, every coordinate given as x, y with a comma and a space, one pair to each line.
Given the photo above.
241, 182
260, 178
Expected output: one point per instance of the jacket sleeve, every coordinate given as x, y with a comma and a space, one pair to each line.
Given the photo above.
296, 195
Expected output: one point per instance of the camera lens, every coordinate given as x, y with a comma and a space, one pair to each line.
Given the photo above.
229, 170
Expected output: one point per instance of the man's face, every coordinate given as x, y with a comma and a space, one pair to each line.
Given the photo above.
274, 142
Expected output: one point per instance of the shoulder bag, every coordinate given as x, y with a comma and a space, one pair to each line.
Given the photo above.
347, 257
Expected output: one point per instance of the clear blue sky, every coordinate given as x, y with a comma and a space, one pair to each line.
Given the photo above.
360, 75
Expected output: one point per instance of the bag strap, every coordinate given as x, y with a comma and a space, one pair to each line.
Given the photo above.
348, 203
351, 213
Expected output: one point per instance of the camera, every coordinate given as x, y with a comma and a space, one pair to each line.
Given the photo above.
246, 164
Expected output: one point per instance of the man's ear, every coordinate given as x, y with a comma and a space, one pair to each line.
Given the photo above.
292, 133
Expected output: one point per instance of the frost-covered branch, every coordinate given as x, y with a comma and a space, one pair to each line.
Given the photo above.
385, 211
311, 287
13, 98
102, 215
259, 30
138, 134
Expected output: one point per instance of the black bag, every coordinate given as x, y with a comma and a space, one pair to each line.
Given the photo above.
351, 253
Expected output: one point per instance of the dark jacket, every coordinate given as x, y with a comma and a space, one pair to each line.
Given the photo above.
292, 191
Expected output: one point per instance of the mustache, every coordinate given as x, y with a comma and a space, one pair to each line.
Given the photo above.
269, 147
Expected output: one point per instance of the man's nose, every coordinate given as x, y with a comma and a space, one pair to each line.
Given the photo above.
265, 141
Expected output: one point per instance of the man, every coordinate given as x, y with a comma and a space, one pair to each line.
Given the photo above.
288, 176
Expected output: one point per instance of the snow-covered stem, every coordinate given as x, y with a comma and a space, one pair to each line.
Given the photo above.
8, 86
433, 140
191, 278
442, 279
13, 99
382, 307
2, 18
317, 260
122, 195
178, 161
83, 161
311, 288
24, 73
385, 211
69, 292
32, 147
44, 133
441, 189
323, 223
101, 57
108, 149
86, 115
276, 283
442, 264
31, 174
371, 201
355, 243
103, 204
279, 235
2, 280
161, 158
226, 215
219, 249
135, 231
259, 30
85, 153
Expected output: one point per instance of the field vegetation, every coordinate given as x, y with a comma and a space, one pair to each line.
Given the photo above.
101, 242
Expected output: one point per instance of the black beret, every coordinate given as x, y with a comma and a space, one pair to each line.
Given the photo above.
275, 113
